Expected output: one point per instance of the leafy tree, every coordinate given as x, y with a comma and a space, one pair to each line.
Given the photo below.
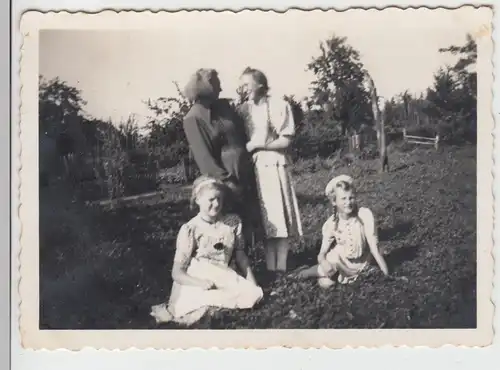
298, 113
453, 96
166, 136
61, 114
339, 84
60, 106
443, 97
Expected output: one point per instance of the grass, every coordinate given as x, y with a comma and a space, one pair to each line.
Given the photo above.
103, 269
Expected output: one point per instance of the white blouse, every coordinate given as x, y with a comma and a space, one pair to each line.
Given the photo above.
265, 123
351, 235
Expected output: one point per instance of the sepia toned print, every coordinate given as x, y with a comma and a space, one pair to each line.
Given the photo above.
247, 183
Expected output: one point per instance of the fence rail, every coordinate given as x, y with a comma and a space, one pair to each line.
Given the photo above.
421, 139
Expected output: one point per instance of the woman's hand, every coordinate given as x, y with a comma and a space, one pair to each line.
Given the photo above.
251, 146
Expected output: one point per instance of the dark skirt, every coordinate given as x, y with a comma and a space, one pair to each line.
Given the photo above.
243, 200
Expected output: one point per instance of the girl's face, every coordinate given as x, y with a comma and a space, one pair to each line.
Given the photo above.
345, 201
251, 87
210, 202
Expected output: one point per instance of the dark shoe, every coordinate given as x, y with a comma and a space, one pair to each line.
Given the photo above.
278, 275
267, 278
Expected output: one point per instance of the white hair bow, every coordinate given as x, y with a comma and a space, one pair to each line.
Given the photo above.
333, 183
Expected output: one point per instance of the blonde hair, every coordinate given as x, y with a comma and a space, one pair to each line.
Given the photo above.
206, 182
199, 84
345, 186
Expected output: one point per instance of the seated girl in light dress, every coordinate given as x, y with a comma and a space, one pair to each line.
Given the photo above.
202, 276
349, 238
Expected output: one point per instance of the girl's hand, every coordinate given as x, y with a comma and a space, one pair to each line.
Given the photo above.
207, 285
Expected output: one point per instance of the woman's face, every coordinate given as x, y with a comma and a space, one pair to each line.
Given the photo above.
216, 85
210, 202
250, 86
345, 201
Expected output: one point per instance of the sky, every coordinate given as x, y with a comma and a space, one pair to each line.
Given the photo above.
117, 68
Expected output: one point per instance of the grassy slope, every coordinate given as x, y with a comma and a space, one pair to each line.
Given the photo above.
105, 270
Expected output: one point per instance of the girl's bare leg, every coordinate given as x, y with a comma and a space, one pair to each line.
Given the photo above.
282, 247
271, 255
310, 272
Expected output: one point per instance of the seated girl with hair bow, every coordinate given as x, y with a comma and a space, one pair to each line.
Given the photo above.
202, 277
349, 238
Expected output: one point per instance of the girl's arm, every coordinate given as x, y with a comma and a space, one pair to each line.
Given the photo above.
182, 259
372, 238
244, 265
180, 276
326, 243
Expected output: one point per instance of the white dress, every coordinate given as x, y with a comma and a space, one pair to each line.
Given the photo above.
278, 200
349, 241
207, 249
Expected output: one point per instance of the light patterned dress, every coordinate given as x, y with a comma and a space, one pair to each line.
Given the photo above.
278, 201
350, 247
206, 249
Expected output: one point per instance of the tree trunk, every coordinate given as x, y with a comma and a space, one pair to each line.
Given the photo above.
380, 126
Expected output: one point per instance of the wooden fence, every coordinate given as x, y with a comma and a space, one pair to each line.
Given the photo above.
421, 139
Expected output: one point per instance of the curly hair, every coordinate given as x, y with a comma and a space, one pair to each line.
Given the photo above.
200, 85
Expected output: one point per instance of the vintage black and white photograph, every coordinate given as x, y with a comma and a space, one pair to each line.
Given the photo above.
254, 170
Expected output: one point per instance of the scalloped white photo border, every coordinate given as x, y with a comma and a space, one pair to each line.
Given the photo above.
32, 337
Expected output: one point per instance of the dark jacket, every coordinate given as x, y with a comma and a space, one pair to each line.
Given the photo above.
217, 139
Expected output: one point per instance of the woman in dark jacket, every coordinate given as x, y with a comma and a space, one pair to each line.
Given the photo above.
217, 139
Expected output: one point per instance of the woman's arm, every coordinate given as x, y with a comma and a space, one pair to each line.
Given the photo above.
182, 259
285, 129
372, 239
202, 150
281, 142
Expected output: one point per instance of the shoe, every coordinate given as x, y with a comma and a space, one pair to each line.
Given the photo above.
267, 278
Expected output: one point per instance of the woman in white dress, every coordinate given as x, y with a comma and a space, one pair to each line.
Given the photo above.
202, 277
270, 126
349, 238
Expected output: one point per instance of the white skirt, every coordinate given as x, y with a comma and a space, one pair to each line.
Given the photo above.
336, 257
187, 304
278, 200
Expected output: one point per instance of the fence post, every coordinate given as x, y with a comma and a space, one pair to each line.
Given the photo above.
436, 142
404, 134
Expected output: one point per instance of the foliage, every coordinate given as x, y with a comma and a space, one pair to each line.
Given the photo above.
59, 105
297, 112
166, 136
114, 160
60, 110
453, 97
338, 86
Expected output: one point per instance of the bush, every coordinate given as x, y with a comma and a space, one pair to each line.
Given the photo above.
457, 132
